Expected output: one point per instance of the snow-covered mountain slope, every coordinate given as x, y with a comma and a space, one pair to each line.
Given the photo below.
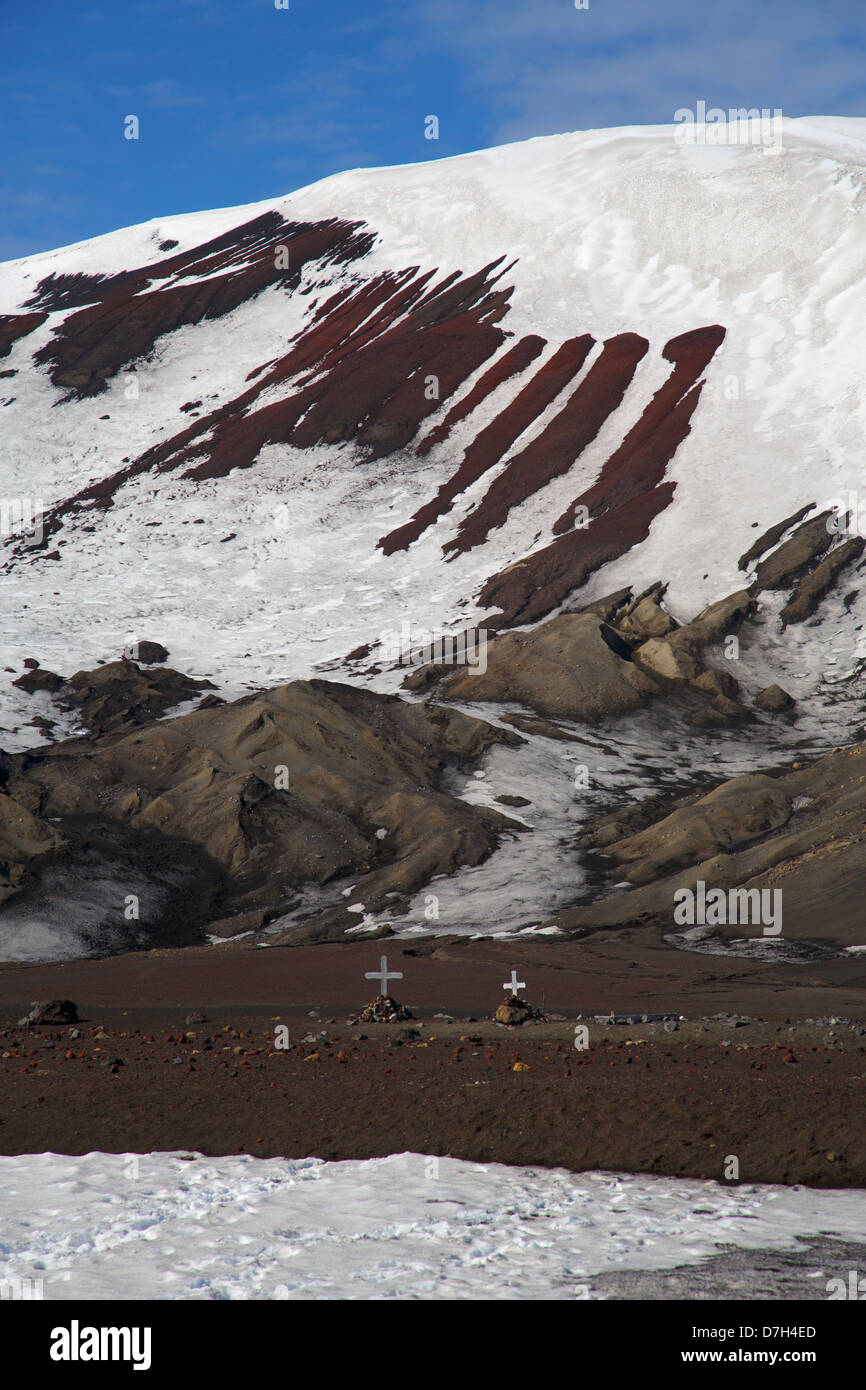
270, 435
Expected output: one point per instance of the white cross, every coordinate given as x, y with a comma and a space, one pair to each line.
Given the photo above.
514, 984
382, 975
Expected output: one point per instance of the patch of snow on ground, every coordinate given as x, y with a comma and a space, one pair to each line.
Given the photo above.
169, 1226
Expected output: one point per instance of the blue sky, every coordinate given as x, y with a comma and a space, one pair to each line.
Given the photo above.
238, 100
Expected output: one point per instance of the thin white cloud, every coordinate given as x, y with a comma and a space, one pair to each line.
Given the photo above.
545, 66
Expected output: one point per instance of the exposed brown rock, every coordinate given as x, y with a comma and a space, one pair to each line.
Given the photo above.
52, 1011
773, 699
360, 364
716, 682
511, 363
677, 656
24, 838
532, 587
716, 622
239, 922
795, 555
279, 789
37, 678
645, 617
514, 1011
800, 833
121, 694
769, 538
609, 607
733, 814
150, 653
730, 709
122, 316
641, 459
623, 502
563, 667
812, 588
663, 659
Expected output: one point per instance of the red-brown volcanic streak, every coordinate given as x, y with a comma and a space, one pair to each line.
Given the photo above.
15, 326
510, 364
362, 364
375, 359
622, 503
554, 451
646, 451
494, 441
129, 316
534, 586
378, 395
368, 373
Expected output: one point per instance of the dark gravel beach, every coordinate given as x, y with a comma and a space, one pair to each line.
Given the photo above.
181, 1050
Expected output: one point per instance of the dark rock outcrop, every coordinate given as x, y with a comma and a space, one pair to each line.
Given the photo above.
24, 838
717, 682
300, 784
813, 586
799, 833
563, 667
37, 678
120, 695
772, 536
795, 555
678, 657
